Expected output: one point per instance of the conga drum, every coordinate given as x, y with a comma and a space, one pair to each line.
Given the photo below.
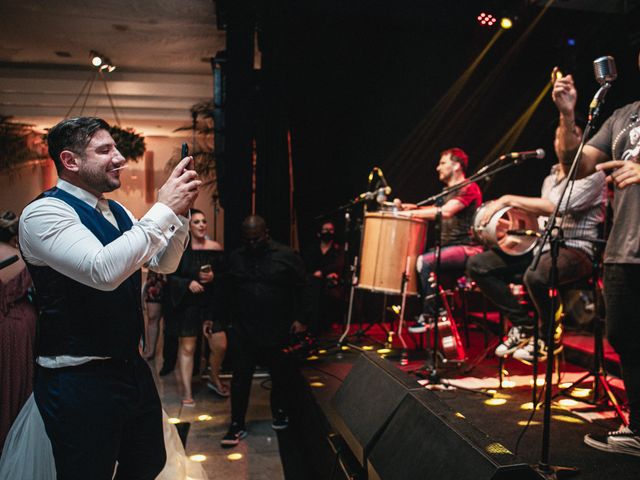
388, 243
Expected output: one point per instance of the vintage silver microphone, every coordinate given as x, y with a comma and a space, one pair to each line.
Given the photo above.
604, 69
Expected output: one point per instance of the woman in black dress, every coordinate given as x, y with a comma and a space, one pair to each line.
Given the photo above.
189, 302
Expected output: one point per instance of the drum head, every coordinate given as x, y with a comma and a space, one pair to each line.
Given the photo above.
495, 233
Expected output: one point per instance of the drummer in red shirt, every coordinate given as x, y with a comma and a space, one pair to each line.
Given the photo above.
457, 243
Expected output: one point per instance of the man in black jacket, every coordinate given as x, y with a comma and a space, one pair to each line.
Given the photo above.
264, 296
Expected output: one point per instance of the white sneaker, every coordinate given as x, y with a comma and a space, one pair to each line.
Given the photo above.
423, 323
515, 338
526, 352
624, 440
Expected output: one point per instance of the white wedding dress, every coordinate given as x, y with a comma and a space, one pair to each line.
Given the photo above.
27, 451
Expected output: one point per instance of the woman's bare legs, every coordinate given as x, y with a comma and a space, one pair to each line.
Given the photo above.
218, 346
184, 370
154, 314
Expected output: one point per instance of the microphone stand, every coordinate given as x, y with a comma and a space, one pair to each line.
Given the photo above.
430, 372
554, 235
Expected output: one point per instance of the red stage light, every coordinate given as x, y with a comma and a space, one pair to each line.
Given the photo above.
486, 19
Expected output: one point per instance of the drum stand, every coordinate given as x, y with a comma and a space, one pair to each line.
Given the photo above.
360, 333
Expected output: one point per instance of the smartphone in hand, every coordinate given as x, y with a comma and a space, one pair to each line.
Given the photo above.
184, 152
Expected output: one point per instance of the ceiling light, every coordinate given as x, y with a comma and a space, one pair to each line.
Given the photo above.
96, 59
101, 62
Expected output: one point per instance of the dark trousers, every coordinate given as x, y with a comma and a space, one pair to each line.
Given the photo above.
622, 298
101, 412
453, 260
494, 270
327, 304
246, 354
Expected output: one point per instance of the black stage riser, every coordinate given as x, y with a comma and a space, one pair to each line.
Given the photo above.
405, 432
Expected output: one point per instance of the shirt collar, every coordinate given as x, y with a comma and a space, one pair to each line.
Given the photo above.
78, 192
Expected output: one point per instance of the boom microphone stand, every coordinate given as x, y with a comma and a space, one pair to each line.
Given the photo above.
598, 370
605, 73
430, 372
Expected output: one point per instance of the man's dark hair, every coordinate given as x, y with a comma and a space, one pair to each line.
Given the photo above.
73, 134
458, 155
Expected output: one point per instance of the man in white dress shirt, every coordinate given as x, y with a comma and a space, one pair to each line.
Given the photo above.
94, 392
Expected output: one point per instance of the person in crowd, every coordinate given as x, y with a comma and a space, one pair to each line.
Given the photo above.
582, 212
457, 211
324, 262
17, 326
614, 149
95, 393
265, 291
152, 292
189, 304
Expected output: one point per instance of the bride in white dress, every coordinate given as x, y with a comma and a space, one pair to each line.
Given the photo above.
27, 451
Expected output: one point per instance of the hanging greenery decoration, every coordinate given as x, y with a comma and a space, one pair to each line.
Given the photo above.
18, 143
130, 144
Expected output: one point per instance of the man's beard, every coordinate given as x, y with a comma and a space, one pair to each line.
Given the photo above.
99, 180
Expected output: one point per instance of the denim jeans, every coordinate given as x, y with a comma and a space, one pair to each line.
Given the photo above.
494, 270
453, 260
622, 299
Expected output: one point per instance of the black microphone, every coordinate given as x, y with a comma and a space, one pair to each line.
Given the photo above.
539, 153
380, 195
604, 69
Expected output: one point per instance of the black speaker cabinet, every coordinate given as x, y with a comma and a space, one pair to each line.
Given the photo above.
427, 439
367, 399
402, 431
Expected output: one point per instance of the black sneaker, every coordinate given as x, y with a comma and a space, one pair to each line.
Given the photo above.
233, 436
624, 440
280, 420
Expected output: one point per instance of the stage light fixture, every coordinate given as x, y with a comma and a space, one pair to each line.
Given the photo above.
571, 42
96, 58
204, 418
506, 23
234, 456
197, 458
173, 420
486, 19
101, 62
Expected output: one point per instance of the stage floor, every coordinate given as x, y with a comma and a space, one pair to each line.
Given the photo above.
503, 420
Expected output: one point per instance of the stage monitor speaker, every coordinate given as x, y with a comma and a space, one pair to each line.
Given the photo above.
367, 399
427, 439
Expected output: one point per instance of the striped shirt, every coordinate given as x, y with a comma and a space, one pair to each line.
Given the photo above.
586, 208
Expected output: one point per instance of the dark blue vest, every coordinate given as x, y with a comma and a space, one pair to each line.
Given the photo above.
78, 320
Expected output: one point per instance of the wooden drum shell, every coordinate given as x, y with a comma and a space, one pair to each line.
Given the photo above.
387, 241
